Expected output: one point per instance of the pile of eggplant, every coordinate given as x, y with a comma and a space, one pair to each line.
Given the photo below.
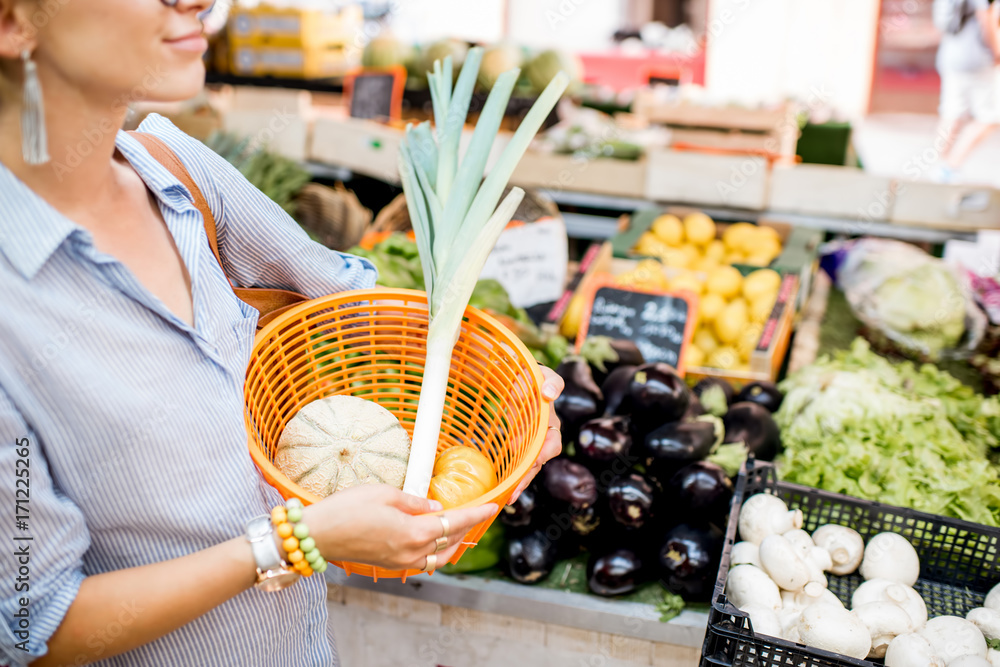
638, 490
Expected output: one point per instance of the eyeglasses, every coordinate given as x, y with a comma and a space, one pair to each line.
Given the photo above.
170, 3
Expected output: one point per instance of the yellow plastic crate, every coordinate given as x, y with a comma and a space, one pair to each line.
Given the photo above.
266, 26
290, 62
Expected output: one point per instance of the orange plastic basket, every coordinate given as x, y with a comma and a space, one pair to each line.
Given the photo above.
372, 344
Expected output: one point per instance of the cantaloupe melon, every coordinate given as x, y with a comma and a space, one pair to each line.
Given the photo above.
338, 442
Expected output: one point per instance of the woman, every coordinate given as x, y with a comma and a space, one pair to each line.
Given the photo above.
122, 356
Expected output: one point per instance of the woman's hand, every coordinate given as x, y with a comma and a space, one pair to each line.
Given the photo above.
380, 525
552, 446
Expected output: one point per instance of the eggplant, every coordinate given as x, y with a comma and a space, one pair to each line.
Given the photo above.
615, 573
715, 394
656, 396
520, 513
753, 425
530, 557
681, 442
765, 394
607, 354
632, 499
569, 484
604, 440
580, 401
689, 561
695, 409
615, 388
702, 493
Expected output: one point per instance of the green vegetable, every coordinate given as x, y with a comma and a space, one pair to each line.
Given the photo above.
730, 457
993, 644
483, 556
671, 606
275, 175
903, 434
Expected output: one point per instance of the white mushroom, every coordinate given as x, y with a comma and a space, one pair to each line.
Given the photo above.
952, 637
815, 593
844, 545
883, 590
763, 514
800, 539
764, 620
790, 600
885, 621
993, 656
969, 661
821, 558
832, 628
748, 584
987, 620
993, 598
890, 556
780, 559
911, 650
744, 553
789, 619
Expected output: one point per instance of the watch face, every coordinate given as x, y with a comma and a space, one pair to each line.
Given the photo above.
277, 581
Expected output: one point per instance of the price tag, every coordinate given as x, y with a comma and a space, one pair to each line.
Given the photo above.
375, 93
530, 261
659, 323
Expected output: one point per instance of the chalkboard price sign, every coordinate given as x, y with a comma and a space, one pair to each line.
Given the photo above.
375, 93
659, 323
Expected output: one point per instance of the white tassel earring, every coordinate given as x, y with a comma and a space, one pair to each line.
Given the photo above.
34, 138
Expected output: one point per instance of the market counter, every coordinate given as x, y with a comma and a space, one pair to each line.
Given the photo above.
461, 621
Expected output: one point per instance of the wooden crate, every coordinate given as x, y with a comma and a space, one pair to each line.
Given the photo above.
958, 207
844, 192
363, 146
688, 177
623, 178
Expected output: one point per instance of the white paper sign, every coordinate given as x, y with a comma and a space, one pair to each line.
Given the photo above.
530, 262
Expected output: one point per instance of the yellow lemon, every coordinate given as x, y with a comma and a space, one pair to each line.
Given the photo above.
734, 236
693, 252
735, 258
760, 308
699, 228
686, 281
710, 306
730, 323
573, 316
705, 265
675, 258
716, 250
650, 244
759, 283
756, 260
693, 356
668, 228
724, 281
649, 272
755, 246
705, 340
769, 232
748, 340
723, 357
741, 368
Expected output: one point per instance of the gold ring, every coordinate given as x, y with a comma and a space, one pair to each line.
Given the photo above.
554, 428
440, 544
431, 563
445, 526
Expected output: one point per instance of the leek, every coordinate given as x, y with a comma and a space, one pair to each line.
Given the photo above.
457, 221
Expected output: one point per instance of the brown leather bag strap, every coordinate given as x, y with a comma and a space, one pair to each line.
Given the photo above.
269, 302
168, 158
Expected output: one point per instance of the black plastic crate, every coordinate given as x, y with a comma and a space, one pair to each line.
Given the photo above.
959, 564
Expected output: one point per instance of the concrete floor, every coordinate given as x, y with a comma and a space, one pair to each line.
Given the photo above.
902, 146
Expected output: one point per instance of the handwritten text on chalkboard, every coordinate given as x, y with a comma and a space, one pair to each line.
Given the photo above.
655, 322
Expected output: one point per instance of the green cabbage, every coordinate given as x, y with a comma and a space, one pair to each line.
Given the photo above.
905, 435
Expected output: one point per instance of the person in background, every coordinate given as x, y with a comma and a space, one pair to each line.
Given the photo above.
966, 60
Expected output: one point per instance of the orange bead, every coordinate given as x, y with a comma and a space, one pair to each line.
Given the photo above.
290, 544
285, 530
278, 515
295, 556
298, 567
306, 571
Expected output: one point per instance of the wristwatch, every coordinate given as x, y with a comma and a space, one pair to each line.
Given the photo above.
273, 573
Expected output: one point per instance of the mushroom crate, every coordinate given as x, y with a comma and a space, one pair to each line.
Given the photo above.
813, 577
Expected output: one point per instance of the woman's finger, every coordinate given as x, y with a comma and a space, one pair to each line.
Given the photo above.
415, 504
552, 384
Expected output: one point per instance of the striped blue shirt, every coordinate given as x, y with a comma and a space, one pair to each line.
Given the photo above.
131, 421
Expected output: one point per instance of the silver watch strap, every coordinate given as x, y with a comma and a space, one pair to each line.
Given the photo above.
265, 551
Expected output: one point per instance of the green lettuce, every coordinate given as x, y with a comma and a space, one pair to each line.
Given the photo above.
903, 434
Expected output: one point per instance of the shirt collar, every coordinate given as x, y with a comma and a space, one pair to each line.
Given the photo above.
31, 230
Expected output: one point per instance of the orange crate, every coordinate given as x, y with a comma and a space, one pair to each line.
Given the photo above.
494, 399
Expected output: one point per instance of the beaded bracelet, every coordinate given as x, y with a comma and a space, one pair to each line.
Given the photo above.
298, 545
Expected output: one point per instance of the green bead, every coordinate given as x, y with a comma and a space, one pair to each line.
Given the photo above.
293, 503
294, 514
301, 531
312, 555
307, 544
321, 567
